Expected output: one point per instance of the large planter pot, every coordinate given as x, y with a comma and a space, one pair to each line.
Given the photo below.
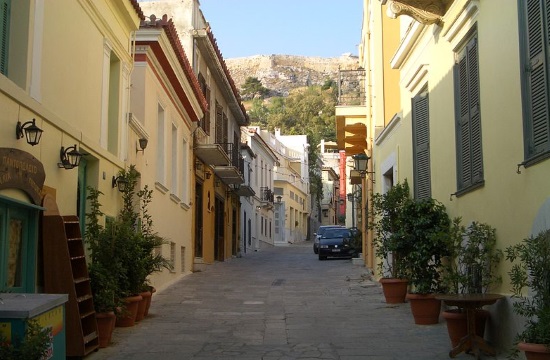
395, 290
425, 308
105, 326
534, 351
457, 324
142, 305
127, 315
149, 299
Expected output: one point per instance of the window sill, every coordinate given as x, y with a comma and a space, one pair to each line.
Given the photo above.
470, 188
163, 189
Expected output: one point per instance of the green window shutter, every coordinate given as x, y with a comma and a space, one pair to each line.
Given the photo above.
421, 146
468, 128
537, 120
4, 34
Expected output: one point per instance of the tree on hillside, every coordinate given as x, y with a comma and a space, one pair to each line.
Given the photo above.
253, 88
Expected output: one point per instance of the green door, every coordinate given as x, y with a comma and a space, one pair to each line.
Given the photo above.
18, 239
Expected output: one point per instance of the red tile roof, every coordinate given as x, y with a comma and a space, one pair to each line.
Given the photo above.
136, 7
172, 34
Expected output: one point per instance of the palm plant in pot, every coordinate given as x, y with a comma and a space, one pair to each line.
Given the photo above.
532, 271
470, 269
425, 225
390, 246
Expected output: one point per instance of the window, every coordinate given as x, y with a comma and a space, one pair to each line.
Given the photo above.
182, 258
468, 118
185, 171
174, 166
160, 144
535, 15
421, 146
4, 34
173, 255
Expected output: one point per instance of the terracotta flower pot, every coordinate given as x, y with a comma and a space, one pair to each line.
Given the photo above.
142, 305
105, 326
148, 304
457, 324
425, 308
127, 315
534, 351
395, 290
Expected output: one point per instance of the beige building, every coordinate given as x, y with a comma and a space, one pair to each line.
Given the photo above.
166, 106
460, 115
218, 164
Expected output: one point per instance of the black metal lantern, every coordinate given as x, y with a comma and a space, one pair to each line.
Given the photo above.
31, 132
120, 182
361, 161
70, 157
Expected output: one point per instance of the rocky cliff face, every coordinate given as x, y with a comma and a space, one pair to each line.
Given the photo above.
282, 73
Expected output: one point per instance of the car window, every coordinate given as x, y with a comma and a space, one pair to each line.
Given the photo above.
337, 233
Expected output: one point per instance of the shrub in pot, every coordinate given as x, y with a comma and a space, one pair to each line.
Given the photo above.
425, 225
531, 270
470, 269
390, 246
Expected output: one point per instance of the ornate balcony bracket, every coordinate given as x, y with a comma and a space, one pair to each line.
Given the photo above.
424, 11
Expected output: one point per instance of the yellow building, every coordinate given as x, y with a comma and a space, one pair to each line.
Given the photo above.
471, 125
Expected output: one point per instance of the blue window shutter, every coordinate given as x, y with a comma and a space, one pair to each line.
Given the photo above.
421, 146
4, 34
537, 97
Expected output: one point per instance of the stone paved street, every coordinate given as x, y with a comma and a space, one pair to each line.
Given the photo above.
280, 303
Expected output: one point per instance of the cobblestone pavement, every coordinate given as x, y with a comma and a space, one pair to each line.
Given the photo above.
278, 304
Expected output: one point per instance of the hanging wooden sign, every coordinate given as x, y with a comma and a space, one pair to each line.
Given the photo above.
21, 170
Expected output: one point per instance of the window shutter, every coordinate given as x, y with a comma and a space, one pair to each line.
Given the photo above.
4, 34
463, 126
421, 146
475, 116
469, 140
207, 113
537, 124
219, 124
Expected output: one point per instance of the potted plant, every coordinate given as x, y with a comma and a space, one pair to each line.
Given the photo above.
470, 269
425, 225
135, 247
390, 246
103, 265
532, 271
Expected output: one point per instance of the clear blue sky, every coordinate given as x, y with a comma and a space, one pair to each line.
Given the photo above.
325, 28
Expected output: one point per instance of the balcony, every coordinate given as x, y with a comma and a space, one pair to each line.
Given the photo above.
243, 190
210, 154
230, 173
266, 195
351, 112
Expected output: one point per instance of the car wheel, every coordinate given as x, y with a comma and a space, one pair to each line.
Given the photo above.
315, 250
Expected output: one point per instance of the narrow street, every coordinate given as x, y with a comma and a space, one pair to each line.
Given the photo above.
280, 303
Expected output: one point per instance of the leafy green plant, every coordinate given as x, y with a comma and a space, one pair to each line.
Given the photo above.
33, 345
390, 245
424, 226
532, 271
104, 264
122, 252
471, 267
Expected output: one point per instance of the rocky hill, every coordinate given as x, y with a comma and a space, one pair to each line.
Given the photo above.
282, 73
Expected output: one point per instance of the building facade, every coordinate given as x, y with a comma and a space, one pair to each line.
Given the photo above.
471, 120
216, 140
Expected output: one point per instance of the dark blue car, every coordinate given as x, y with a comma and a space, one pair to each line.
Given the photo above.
336, 242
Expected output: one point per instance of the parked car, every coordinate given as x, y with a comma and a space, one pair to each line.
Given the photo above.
336, 242
319, 233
